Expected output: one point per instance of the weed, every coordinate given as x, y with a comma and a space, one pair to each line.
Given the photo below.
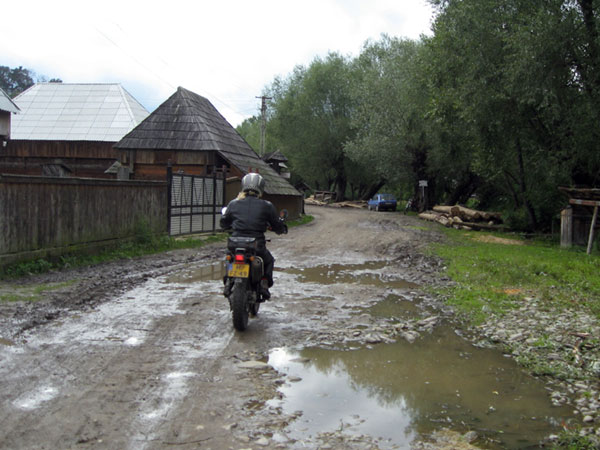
488, 274
31, 293
572, 440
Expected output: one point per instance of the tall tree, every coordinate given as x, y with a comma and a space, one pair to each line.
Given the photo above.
16, 80
514, 73
310, 118
393, 136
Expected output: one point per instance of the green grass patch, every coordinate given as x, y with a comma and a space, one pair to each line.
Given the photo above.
492, 275
139, 246
301, 221
11, 293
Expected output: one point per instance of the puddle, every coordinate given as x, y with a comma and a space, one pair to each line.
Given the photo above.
211, 272
398, 392
373, 273
394, 306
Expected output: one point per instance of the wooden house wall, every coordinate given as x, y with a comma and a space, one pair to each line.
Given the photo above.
152, 165
84, 159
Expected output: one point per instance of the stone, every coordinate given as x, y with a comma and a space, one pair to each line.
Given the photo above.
470, 436
263, 442
253, 365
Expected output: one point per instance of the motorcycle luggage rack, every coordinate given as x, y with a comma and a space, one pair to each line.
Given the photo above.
234, 243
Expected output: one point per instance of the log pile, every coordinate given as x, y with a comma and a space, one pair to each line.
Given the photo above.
463, 218
313, 201
359, 204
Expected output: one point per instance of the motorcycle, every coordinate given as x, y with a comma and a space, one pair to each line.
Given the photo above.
244, 273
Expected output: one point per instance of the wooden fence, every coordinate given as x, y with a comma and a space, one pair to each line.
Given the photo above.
42, 216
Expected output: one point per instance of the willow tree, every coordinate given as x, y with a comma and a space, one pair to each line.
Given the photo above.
310, 119
393, 136
519, 78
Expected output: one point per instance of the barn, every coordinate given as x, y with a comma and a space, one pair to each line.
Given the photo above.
187, 133
69, 129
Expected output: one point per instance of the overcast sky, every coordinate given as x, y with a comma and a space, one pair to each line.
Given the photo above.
224, 50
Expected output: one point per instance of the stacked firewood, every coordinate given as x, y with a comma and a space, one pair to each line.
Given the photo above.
359, 204
464, 218
313, 201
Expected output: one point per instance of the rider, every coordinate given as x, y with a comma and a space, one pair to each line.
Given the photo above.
250, 216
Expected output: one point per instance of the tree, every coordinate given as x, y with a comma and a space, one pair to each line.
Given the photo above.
249, 129
513, 74
14, 81
310, 119
393, 136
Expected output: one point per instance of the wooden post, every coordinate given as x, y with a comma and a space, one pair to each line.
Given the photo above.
566, 227
591, 237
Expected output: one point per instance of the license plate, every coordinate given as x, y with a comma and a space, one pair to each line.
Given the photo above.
239, 270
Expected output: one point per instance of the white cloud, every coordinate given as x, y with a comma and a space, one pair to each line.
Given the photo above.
227, 51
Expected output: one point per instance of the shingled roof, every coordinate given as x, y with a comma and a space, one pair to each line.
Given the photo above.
189, 122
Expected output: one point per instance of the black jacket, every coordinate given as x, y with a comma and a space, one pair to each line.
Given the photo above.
251, 217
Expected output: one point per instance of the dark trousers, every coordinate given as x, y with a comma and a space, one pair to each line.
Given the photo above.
269, 263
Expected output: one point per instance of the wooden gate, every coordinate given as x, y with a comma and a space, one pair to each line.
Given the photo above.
195, 203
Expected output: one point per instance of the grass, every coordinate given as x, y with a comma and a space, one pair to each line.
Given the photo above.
31, 293
490, 276
144, 243
137, 247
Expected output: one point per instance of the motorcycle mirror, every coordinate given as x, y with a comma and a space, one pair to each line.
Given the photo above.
224, 210
283, 214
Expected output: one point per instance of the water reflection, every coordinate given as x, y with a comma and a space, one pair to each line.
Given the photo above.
372, 273
399, 391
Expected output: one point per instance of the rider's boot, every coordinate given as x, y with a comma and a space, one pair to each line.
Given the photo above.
264, 289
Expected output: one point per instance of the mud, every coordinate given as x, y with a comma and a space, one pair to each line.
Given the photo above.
141, 353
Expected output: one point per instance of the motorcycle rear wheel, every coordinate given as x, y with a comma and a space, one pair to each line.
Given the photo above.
239, 307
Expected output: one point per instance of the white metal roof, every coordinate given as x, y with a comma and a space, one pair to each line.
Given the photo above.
76, 112
6, 104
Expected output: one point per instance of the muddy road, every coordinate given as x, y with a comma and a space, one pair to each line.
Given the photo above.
141, 354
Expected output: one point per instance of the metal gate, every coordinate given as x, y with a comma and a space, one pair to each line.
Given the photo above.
195, 203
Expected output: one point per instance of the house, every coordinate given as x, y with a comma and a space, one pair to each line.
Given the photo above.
188, 132
277, 162
69, 129
7, 109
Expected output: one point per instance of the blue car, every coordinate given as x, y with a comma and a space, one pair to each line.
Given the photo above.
382, 202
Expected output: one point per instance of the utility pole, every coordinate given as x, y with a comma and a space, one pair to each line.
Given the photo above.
263, 124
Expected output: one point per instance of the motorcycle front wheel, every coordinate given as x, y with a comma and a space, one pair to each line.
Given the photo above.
239, 306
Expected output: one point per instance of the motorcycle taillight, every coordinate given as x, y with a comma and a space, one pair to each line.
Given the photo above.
239, 258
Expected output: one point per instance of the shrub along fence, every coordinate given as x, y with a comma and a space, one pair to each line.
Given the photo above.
45, 216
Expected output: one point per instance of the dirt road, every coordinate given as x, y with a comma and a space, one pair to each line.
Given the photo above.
141, 354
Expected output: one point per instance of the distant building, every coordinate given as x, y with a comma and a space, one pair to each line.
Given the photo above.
7, 109
277, 162
69, 129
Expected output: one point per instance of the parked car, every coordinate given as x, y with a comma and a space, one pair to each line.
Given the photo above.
382, 202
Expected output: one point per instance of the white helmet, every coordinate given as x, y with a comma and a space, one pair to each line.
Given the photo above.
253, 182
